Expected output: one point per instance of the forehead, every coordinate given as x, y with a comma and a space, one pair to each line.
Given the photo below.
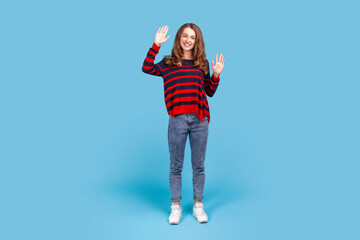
189, 31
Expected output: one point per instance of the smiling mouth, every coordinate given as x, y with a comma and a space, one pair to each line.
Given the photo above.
187, 45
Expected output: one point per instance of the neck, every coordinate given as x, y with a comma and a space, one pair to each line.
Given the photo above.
187, 55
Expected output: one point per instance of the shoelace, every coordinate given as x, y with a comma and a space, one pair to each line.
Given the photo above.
175, 212
201, 210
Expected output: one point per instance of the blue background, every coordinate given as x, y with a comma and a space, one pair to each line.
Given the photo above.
84, 151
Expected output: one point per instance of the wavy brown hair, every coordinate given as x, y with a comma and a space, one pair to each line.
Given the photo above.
198, 50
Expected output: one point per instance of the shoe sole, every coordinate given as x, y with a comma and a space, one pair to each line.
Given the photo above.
175, 223
204, 221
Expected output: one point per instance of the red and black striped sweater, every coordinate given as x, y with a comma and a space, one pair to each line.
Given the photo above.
185, 87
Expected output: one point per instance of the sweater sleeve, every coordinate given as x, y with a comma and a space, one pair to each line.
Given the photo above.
148, 66
210, 83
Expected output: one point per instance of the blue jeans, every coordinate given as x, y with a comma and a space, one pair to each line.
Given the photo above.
179, 128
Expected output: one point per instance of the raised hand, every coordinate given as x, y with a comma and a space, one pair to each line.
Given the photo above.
160, 35
218, 66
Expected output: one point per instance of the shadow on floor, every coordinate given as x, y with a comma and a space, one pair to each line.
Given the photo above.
156, 194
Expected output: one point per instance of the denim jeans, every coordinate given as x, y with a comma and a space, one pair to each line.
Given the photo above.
179, 128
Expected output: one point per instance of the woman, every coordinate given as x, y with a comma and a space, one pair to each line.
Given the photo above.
187, 81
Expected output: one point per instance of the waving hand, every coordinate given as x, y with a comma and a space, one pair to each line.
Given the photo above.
219, 65
160, 35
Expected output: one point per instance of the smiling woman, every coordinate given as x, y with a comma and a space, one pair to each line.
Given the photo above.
188, 44
187, 81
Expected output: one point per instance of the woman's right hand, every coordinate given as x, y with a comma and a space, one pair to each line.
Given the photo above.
160, 35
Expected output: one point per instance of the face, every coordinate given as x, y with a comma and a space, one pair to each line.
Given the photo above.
187, 39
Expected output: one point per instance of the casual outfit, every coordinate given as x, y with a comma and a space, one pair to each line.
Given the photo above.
185, 90
185, 87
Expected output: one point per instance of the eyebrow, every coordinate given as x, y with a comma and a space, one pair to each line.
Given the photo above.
190, 35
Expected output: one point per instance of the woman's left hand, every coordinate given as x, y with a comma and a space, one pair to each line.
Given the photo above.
218, 66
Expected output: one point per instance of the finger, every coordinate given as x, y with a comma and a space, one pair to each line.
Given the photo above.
212, 63
167, 38
166, 30
159, 30
162, 29
216, 59
221, 58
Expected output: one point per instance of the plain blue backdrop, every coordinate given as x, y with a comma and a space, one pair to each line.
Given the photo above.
83, 137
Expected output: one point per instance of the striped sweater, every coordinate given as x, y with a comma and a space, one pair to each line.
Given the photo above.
185, 87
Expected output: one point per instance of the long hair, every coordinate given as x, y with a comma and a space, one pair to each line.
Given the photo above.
198, 50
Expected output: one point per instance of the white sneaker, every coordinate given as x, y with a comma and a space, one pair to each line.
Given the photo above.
199, 213
175, 215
